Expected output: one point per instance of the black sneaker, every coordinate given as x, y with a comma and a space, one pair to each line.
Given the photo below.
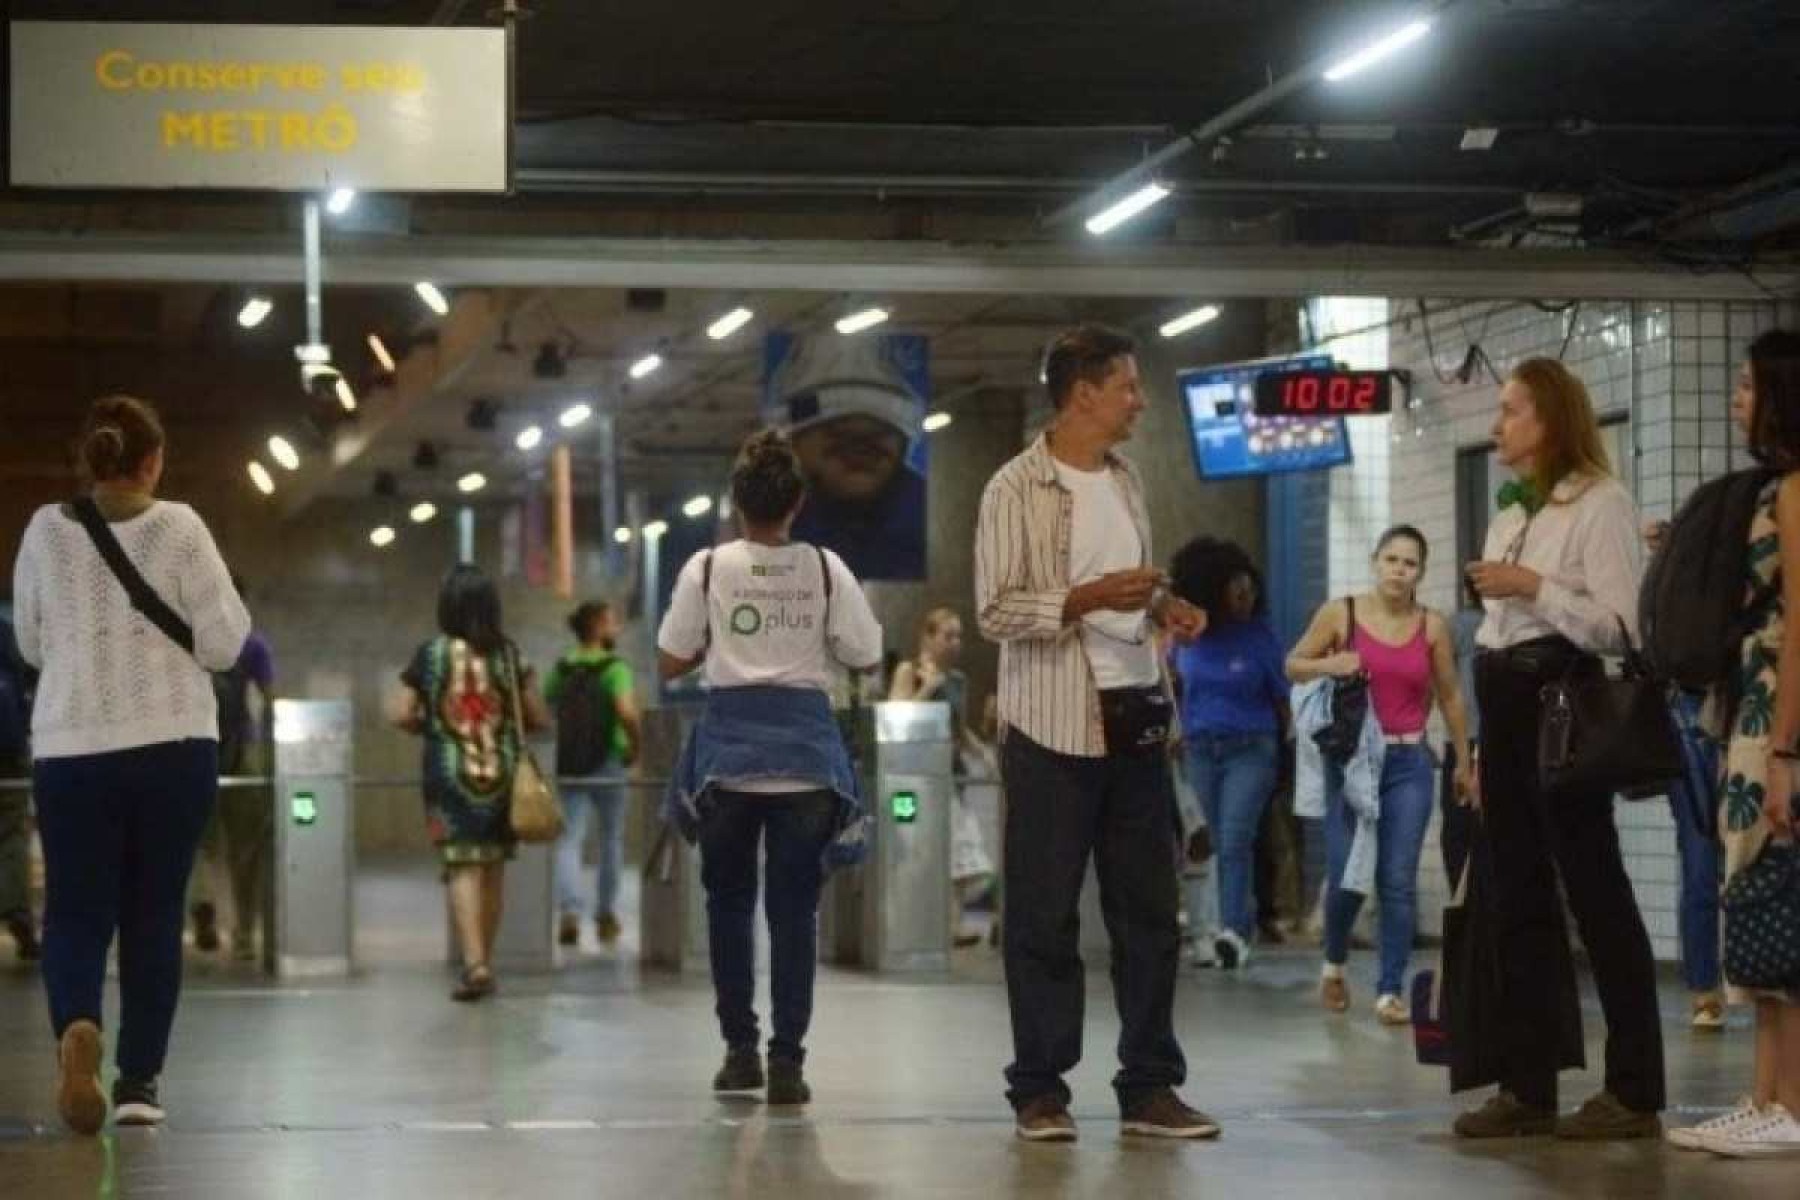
742, 1072
206, 928
786, 1083
135, 1102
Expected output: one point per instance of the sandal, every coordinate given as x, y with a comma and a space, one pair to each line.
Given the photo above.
477, 982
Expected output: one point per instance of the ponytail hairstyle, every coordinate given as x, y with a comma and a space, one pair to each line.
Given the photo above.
766, 483
120, 434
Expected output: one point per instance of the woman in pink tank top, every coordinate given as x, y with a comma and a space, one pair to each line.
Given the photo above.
1405, 652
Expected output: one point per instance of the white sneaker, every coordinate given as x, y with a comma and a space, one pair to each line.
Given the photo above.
1231, 950
1689, 1137
1776, 1134
1391, 1010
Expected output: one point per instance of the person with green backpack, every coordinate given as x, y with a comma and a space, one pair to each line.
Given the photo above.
597, 735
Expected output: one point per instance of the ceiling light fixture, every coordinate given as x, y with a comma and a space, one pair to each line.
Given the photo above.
656, 529
379, 349
254, 310
381, 536
529, 437
422, 512
259, 475
729, 324
433, 298
1189, 321
284, 453
575, 414
346, 397
937, 421
1113, 216
1375, 51
1479, 137
471, 483
699, 506
622, 535
647, 365
856, 322
340, 200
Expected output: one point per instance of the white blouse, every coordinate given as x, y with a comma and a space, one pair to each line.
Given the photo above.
1587, 547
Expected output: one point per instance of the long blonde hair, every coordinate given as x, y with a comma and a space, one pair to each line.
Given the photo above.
1572, 444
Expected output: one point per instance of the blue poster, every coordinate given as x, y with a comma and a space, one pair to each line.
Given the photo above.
1230, 440
855, 408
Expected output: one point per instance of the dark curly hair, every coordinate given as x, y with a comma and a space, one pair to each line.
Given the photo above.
766, 482
1202, 570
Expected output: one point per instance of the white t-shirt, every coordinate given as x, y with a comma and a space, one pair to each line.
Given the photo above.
766, 607
1104, 539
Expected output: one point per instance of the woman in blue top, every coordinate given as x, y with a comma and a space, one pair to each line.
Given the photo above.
1234, 693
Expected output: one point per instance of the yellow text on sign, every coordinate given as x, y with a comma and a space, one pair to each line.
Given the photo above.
332, 129
122, 71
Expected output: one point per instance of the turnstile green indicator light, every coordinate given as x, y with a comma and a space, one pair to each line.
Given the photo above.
905, 807
305, 808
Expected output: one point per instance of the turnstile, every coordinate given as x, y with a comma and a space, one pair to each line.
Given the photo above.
311, 900
892, 914
672, 904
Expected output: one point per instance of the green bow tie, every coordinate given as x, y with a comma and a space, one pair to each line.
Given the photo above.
1522, 492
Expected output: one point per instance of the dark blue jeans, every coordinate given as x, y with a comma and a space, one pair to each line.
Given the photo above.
1062, 810
1702, 856
736, 831
119, 833
1406, 778
1233, 775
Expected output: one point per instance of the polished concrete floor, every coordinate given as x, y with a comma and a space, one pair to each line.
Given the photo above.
593, 1083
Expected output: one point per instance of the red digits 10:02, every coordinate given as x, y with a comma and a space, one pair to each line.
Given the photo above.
1308, 393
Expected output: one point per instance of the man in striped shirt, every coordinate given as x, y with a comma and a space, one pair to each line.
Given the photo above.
1063, 582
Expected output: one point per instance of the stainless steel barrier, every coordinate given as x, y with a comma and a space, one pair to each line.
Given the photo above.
312, 901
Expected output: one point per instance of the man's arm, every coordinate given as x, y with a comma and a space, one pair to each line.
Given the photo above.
1005, 609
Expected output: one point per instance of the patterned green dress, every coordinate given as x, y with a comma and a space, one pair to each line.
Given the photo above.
471, 748
1741, 824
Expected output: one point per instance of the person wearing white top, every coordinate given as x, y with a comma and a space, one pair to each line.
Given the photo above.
126, 751
765, 774
1559, 581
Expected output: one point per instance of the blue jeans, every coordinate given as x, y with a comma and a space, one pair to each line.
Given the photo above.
119, 833
1233, 774
1701, 854
607, 804
736, 831
1406, 800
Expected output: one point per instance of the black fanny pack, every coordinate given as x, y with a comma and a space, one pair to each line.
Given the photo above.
1137, 720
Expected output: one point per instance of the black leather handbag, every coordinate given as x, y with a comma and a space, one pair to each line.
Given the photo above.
1604, 733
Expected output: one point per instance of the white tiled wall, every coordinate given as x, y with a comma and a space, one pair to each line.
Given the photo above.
1669, 367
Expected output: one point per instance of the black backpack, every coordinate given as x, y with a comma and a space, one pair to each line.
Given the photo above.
586, 717
231, 695
1692, 608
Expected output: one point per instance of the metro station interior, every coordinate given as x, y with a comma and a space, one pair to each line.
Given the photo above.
697, 221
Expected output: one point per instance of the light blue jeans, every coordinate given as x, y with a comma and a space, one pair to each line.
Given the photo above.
1233, 775
607, 804
1406, 802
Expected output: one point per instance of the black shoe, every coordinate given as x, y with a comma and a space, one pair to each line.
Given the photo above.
475, 983
568, 930
135, 1102
206, 928
742, 1072
786, 1083
24, 934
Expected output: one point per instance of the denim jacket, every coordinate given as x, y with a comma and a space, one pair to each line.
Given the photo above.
1360, 778
762, 732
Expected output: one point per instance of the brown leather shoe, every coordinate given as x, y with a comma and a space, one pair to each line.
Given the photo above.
1045, 1119
1505, 1116
1161, 1114
78, 1095
1334, 994
1605, 1119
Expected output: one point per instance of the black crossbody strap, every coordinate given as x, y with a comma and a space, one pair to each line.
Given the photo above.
143, 597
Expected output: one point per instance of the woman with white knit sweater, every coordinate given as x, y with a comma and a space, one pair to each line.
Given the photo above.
124, 605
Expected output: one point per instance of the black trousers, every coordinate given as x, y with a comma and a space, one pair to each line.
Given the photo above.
1060, 810
1534, 839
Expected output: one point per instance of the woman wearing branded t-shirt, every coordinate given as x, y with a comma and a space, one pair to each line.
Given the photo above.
1233, 710
766, 772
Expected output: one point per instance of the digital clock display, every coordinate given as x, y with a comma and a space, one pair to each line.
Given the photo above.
1324, 393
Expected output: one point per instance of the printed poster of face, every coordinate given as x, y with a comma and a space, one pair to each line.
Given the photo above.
855, 408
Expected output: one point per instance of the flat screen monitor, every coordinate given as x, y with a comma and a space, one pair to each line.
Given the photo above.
1230, 441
